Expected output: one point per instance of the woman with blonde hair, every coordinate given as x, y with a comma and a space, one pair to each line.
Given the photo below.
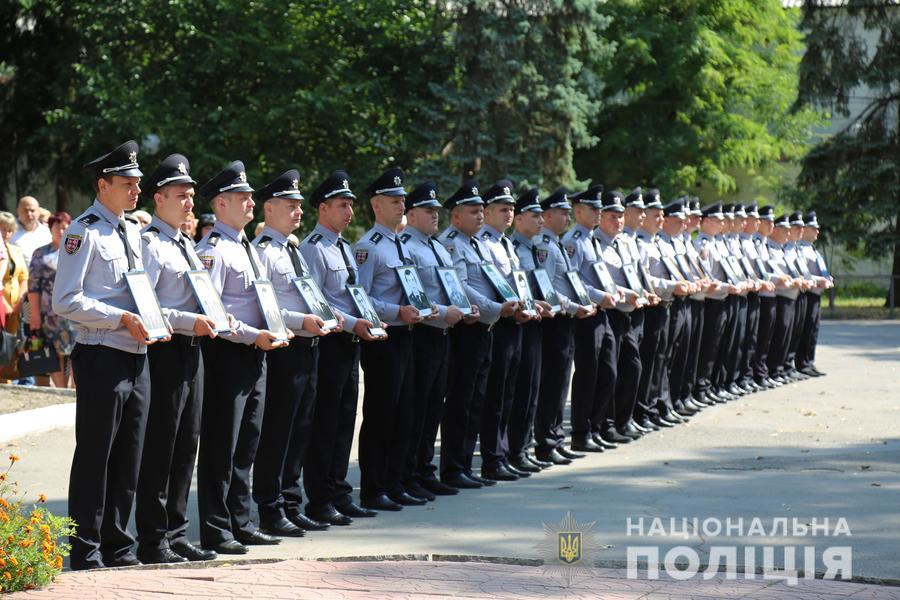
15, 274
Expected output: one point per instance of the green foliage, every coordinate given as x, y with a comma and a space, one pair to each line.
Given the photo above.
697, 88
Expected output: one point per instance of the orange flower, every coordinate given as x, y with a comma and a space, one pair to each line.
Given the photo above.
29, 570
58, 563
45, 529
8, 575
4, 503
27, 543
2, 563
42, 498
29, 529
14, 561
13, 458
2, 476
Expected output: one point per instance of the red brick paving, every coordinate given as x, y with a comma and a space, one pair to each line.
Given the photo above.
400, 580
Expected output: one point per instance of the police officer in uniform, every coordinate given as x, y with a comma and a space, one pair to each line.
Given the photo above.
792, 256
558, 340
109, 361
470, 344
430, 343
786, 300
387, 402
235, 371
176, 373
806, 353
767, 299
291, 372
594, 379
330, 260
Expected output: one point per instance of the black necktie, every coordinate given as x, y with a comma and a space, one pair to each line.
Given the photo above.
534, 255
249, 252
503, 242
295, 259
351, 274
434, 250
565, 254
124, 236
477, 248
399, 245
185, 252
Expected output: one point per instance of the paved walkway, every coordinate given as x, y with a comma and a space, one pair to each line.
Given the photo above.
402, 580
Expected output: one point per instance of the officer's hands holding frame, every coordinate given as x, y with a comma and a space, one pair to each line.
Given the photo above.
472, 317
409, 314
266, 340
137, 330
204, 326
453, 315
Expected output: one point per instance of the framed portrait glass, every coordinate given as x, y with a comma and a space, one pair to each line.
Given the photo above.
698, 266
414, 290
578, 288
761, 268
147, 304
685, 267
823, 268
316, 302
209, 300
748, 266
606, 281
268, 304
366, 310
499, 282
672, 267
736, 268
545, 287
520, 278
453, 287
631, 276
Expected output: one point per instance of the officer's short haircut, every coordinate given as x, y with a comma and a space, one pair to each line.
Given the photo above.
106, 176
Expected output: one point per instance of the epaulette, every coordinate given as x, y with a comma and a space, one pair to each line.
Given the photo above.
376, 237
405, 237
133, 219
546, 239
515, 243
314, 238
485, 235
452, 234
264, 241
576, 234
214, 237
88, 220
150, 234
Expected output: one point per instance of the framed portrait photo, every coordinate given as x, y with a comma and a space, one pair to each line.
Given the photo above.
453, 287
545, 287
366, 310
523, 288
499, 283
686, 267
631, 276
672, 268
316, 302
606, 281
147, 304
209, 300
268, 304
578, 288
414, 290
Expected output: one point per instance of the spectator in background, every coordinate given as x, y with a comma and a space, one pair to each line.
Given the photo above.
189, 227
15, 276
55, 330
44, 216
31, 233
142, 216
207, 220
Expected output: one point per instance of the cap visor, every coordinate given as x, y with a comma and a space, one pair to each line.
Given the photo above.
133, 172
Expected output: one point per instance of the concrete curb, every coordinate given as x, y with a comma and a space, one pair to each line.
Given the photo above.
28, 389
37, 420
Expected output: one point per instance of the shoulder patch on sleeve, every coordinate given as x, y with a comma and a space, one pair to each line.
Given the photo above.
362, 256
88, 220
207, 261
376, 237
570, 250
452, 234
72, 243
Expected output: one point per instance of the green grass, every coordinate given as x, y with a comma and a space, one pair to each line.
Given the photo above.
858, 307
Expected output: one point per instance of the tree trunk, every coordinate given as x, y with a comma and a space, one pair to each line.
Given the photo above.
895, 270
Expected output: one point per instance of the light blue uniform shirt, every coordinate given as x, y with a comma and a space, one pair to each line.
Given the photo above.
468, 253
502, 252
579, 245
331, 264
553, 258
427, 261
613, 257
708, 252
90, 288
167, 265
651, 258
271, 247
232, 274
377, 256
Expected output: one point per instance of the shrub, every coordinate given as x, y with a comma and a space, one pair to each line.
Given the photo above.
30, 553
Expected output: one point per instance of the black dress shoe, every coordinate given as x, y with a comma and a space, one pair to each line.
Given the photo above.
606, 445
516, 472
405, 499
129, 560
540, 464
672, 419
661, 422
629, 430
636, 425
611, 435
229, 547
647, 423
499, 473
817, 372
482, 480
417, 491
568, 453
380, 502
461, 481
258, 538
439, 488
524, 465
329, 515
159, 556
281, 526
584, 443
554, 457
693, 405
685, 411
192, 552
354, 510
307, 524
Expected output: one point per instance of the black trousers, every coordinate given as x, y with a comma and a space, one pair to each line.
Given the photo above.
732, 365
719, 377
678, 340
714, 319
527, 388
112, 400
627, 328
781, 336
431, 347
764, 333
594, 380
233, 404
797, 329
697, 324
387, 412
506, 352
652, 352
170, 444
337, 394
468, 367
748, 349
557, 352
291, 377
806, 351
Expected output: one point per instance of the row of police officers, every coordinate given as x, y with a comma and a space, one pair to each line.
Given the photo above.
657, 323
